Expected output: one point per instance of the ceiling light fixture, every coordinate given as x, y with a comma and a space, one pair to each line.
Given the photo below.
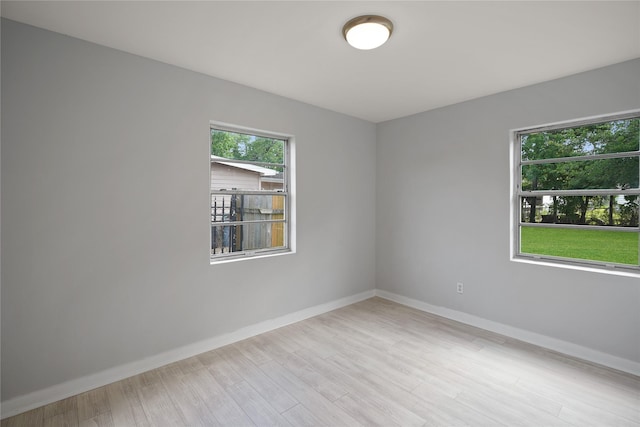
367, 31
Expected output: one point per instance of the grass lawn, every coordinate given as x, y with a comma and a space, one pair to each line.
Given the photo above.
601, 245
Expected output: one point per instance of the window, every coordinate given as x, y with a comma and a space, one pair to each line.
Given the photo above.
576, 192
249, 193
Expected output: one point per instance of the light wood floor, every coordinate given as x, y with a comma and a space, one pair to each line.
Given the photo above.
372, 363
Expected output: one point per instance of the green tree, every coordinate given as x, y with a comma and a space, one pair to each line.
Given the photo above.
602, 138
239, 146
225, 144
552, 176
621, 173
265, 150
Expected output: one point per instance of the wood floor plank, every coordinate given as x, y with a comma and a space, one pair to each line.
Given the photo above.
371, 363
222, 371
328, 387
362, 410
92, 403
585, 415
429, 408
279, 398
144, 379
501, 410
399, 400
383, 398
193, 410
57, 421
170, 370
253, 351
125, 405
394, 371
578, 397
278, 336
158, 407
271, 348
444, 411
318, 405
102, 420
62, 407
309, 337
255, 406
191, 364
299, 415
63, 413
34, 417
221, 405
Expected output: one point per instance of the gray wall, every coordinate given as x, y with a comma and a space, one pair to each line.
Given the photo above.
105, 180
443, 215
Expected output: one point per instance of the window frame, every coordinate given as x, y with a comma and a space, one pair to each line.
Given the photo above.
286, 192
517, 193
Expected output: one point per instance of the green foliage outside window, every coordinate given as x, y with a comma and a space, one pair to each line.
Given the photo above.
238, 146
619, 173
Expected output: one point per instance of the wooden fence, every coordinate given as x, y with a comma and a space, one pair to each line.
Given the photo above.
250, 236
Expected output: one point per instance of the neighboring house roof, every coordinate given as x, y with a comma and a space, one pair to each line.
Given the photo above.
279, 177
246, 166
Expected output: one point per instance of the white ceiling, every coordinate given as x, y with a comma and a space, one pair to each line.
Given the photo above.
441, 52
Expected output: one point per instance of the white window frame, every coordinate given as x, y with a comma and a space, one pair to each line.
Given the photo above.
288, 192
517, 193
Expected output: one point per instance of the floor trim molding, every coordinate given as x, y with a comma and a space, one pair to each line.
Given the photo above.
20, 404
550, 343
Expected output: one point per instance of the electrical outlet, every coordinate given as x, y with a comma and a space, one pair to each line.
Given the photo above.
460, 288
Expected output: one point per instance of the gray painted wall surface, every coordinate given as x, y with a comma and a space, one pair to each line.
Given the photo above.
105, 218
443, 215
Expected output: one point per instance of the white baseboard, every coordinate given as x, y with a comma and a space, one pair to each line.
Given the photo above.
57, 392
550, 343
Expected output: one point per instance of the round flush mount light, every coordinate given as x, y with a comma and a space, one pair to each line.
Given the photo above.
367, 31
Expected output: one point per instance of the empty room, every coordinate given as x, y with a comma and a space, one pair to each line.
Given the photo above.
320, 213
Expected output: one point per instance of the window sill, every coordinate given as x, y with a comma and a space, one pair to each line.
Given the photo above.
571, 266
247, 256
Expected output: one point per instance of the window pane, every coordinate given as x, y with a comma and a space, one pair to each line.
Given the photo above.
242, 176
616, 210
246, 207
620, 173
238, 146
616, 136
599, 245
246, 237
